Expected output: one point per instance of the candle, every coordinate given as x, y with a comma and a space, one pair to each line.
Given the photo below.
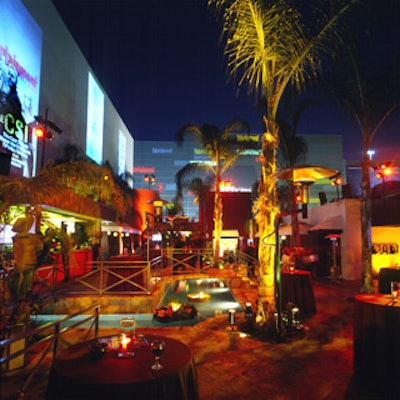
125, 341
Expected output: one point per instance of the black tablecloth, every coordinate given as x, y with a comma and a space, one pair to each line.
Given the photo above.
387, 275
296, 287
76, 375
377, 342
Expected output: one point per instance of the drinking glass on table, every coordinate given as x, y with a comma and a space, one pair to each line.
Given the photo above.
157, 347
394, 289
128, 326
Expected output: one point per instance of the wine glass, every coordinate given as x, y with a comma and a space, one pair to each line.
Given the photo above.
157, 347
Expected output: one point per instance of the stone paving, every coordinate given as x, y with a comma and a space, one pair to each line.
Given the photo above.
229, 365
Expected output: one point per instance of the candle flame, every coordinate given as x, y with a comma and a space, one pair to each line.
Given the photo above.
125, 341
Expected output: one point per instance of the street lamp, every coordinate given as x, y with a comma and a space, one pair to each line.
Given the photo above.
150, 179
43, 131
338, 181
370, 153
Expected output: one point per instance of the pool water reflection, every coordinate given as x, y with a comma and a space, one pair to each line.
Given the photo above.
220, 296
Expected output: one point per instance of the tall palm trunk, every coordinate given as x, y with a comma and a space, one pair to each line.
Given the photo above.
266, 220
366, 207
218, 213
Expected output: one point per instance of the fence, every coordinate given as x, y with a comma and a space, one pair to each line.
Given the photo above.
46, 338
113, 277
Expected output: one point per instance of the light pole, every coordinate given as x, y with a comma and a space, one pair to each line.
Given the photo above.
338, 181
43, 130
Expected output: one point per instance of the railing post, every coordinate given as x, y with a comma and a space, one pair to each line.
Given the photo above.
96, 324
56, 334
101, 272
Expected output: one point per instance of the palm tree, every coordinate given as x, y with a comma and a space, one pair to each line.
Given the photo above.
224, 149
269, 47
196, 185
370, 96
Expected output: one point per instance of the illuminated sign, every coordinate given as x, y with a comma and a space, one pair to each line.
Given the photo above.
250, 152
204, 162
385, 248
200, 151
248, 138
20, 65
95, 119
156, 150
144, 170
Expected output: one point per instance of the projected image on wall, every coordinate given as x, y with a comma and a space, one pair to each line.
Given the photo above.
95, 121
121, 153
20, 62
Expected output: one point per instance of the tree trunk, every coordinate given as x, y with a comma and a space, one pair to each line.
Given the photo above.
266, 205
365, 205
218, 214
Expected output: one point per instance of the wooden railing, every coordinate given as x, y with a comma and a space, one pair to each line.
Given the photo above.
113, 277
46, 338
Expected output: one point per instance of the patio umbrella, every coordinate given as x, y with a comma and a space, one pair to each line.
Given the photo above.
304, 176
306, 173
287, 230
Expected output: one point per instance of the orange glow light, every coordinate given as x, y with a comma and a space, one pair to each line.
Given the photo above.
40, 132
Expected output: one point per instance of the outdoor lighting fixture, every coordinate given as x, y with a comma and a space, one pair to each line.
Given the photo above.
248, 312
338, 181
383, 170
43, 129
334, 269
199, 297
231, 317
150, 179
370, 153
295, 317
225, 186
304, 195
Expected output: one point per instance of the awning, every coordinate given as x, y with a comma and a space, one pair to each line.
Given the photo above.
287, 229
330, 224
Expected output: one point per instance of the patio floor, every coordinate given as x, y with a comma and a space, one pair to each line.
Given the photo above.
318, 366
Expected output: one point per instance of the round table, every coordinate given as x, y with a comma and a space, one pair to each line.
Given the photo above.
75, 373
296, 287
377, 342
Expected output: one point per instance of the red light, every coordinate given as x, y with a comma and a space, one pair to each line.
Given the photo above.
298, 198
338, 181
40, 132
387, 171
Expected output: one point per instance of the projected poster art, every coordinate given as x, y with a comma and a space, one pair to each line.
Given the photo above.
95, 121
20, 62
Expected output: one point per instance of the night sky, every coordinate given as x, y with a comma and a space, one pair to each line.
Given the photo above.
162, 65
